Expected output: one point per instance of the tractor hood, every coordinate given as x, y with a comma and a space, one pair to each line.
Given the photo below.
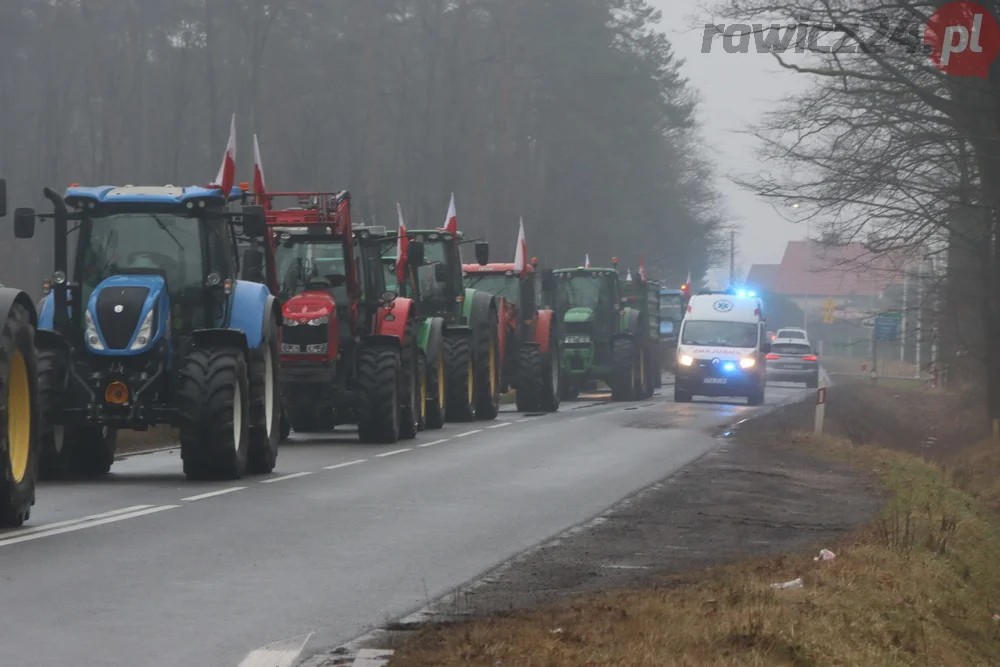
126, 314
308, 306
579, 315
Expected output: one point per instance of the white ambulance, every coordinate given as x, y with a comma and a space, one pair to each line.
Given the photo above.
721, 348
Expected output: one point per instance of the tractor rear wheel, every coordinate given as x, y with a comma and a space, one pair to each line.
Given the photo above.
93, 447
19, 421
421, 391
529, 379
410, 382
265, 405
379, 384
213, 401
644, 377
437, 399
551, 391
488, 367
624, 359
461, 379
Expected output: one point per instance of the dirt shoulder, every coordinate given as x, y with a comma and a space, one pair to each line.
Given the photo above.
682, 573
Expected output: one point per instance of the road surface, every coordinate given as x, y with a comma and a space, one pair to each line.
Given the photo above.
143, 569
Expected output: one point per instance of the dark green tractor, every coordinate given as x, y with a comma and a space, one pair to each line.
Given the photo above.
605, 338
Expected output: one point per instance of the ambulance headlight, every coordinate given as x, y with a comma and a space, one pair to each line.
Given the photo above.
748, 362
685, 360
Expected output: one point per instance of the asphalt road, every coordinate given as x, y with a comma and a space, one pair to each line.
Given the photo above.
143, 569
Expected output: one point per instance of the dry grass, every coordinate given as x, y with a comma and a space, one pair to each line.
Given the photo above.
888, 368
920, 586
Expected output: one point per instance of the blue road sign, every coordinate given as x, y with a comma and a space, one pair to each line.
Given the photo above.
886, 328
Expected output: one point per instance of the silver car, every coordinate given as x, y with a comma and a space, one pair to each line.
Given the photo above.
792, 361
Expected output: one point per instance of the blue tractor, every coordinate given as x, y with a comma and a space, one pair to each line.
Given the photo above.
154, 325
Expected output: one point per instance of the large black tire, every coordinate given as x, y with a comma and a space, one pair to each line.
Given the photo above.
529, 379
644, 377
437, 395
265, 404
213, 401
93, 448
379, 384
20, 420
624, 359
551, 391
657, 370
486, 354
410, 382
286, 427
461, 379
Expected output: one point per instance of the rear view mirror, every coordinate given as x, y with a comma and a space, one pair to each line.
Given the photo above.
440, 273
254, 221
253, 265
482, 253
415, 253
24, 223
3, 198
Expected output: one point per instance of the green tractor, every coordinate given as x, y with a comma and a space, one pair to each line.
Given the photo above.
609, 333
459, 331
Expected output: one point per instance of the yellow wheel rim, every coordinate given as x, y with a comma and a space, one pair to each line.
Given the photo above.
18, 418
440, 386
493, 371
470, 380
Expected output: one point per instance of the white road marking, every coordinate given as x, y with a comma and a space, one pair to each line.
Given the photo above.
278, 654
431, 444
393, 453
372, 657
500, 425
213, 494
344, 465
283, 478
521, 421
70, 522
81, 526
462, 435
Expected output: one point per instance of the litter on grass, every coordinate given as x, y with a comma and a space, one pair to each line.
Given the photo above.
825, 554
794, 583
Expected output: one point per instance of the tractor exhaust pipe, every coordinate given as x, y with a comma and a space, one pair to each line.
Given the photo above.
60, 315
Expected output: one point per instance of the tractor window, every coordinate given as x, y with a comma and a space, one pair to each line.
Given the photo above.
169, 243
583, 291
497, 284
672, 307
311, 263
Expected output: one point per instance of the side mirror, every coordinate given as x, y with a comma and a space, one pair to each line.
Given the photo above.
254, 222
440, 273
415, 253
3, 198
24, 223
253, 265
548, 281
482, 253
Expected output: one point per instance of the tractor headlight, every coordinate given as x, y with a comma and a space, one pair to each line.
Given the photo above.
316, 349
145, 333
289, 322
748, 362
685, 360
578, 339
319, 320
288, 348
90, 335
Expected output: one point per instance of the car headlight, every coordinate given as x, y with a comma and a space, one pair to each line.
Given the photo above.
577, 339
685, 360
748, 362
319, 320
145, 333
90, 335
316, 349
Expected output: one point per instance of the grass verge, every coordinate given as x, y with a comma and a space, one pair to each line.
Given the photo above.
920, 585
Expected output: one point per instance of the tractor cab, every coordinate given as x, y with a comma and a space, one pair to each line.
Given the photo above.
440, 275
587, 302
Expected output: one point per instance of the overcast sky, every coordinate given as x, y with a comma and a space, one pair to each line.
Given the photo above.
736, 89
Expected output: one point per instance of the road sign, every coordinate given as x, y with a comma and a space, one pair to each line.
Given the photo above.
828, 310
886, 328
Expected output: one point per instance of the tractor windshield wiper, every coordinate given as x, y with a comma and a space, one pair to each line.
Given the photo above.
164, 228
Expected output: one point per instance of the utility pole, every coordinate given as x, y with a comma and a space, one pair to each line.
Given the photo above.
920, 318
902, 321
732, 259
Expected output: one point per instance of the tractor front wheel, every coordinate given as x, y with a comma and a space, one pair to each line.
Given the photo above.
551, 391
488, 368
529, 379
410, 395
19, 421
436, 404
379, 383
265, 405
213, 400
461, 383
624, 359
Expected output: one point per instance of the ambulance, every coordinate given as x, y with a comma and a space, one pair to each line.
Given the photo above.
721, 348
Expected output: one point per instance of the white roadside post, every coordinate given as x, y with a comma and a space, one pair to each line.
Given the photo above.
820, 406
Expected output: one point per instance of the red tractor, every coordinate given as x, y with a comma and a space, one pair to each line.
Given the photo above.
529, 339
349, 351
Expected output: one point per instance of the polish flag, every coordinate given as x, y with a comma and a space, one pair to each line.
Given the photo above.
451, 222
259, 186
227, 172
586, 261
642, 267
402, 244
521, 253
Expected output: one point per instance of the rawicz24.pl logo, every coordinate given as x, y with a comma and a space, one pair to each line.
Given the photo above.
961, 38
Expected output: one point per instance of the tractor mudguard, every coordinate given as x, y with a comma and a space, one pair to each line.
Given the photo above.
453, 330
9, 296
50, 339
629, 322
396, 326
430, 337
250, 307
47, 311
221, 338
543, 330
478, 304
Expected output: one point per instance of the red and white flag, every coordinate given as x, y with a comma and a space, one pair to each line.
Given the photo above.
402, 245
227, 172
586, 261
521, 253
259, 186
642, 267
451, 222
